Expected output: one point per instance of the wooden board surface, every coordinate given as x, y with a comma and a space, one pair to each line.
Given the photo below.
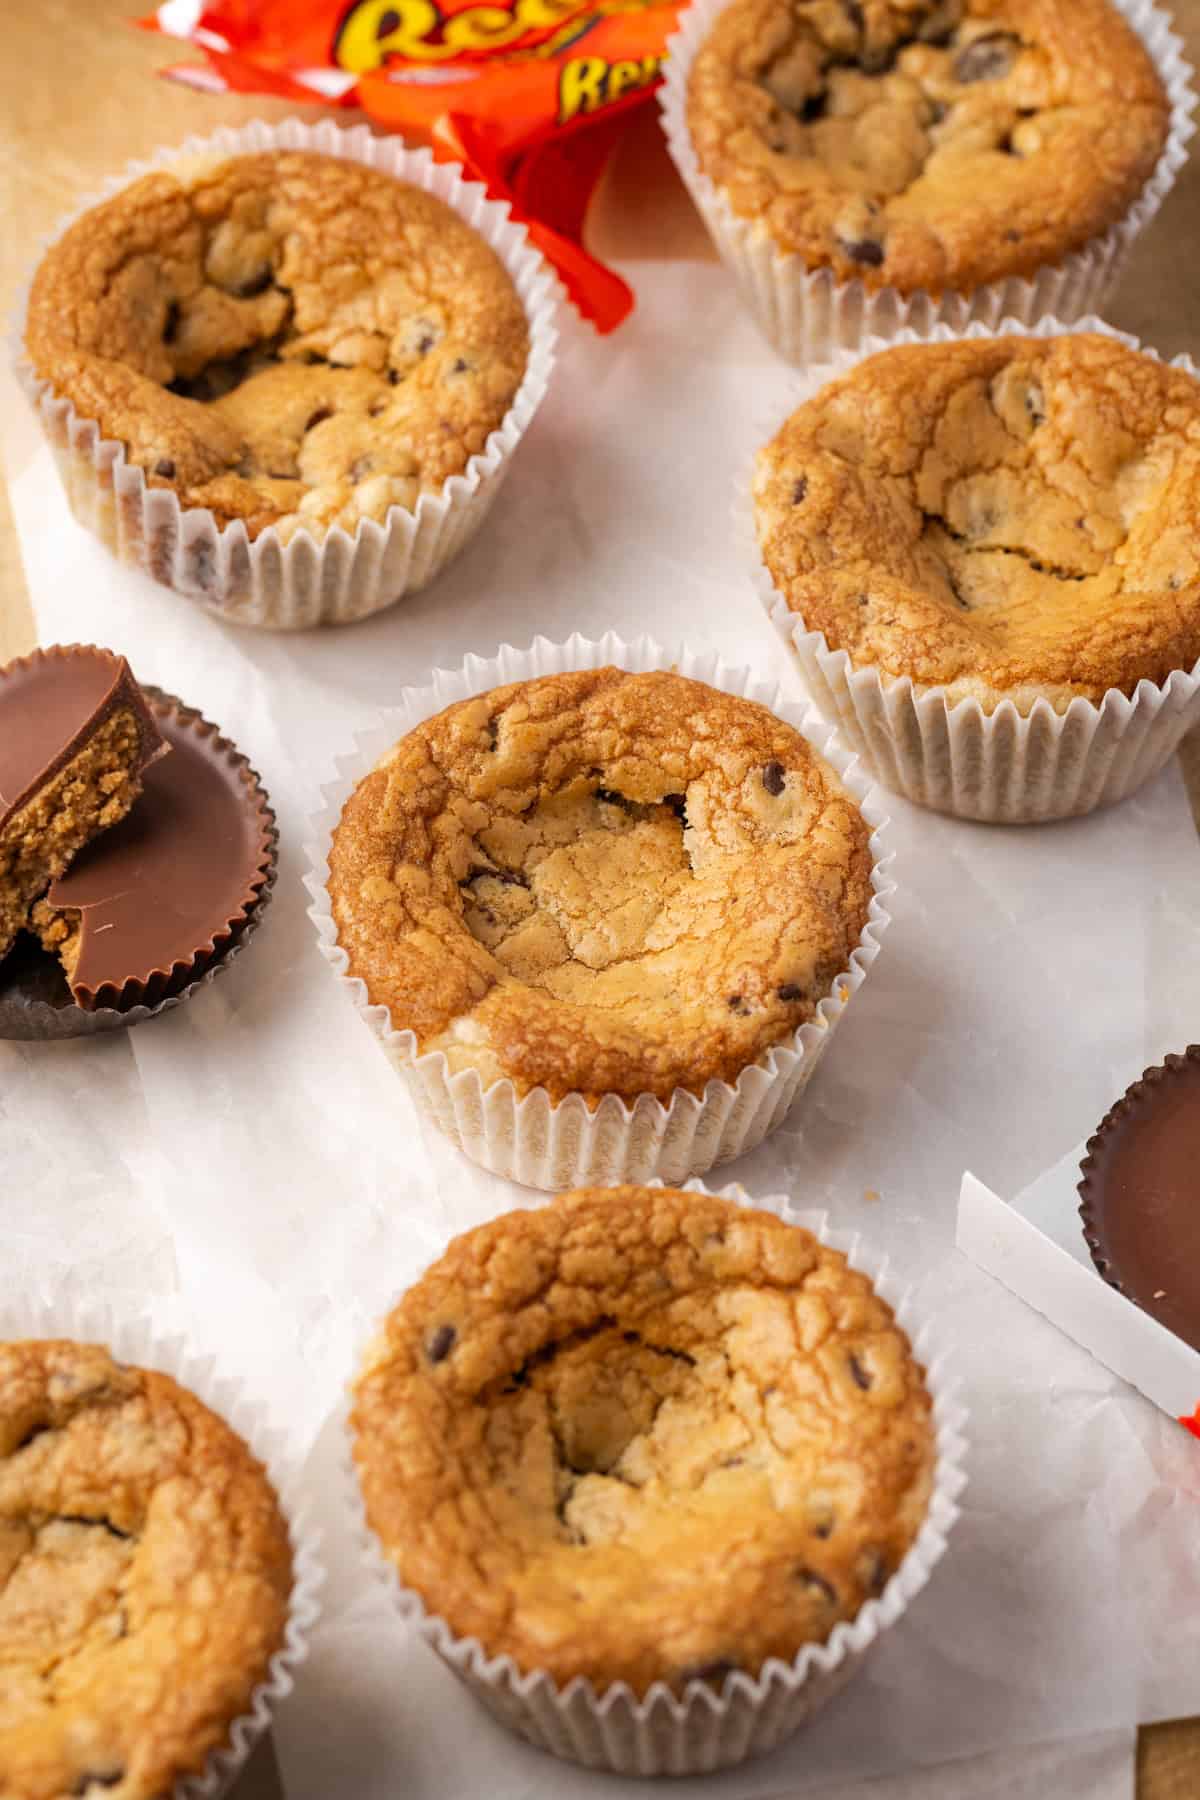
78, 101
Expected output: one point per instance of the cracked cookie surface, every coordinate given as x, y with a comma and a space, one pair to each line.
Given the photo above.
642, 1435
144, 1576
601, 883
1010, 517
927, 144
285, 338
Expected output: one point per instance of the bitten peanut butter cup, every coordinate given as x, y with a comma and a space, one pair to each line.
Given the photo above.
76, 740
156, 904
1139, 1200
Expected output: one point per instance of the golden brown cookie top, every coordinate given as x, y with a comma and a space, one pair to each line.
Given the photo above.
144, 1576
285, 338
1012, 517
642, 1435
927, 144
601, 882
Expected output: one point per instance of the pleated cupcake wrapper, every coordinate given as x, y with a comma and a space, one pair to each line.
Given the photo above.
341, 576
132, 1340
705, 1729
41, 1022
1005, 766
806, 313
555, 1145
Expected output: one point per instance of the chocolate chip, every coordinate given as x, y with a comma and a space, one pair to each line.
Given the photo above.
164, 467
713, 1672
441, 1343
394, 377
986, 58
817, 1584
171, 322
861, 1377
791, 990
425, 343
772, 778
873, 1571
319, 417
258, 283
459, 366
868, 251
799, 489
360, 468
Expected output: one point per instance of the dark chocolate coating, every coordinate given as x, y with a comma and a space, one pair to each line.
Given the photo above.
1140, 1194
50, 703
171, 886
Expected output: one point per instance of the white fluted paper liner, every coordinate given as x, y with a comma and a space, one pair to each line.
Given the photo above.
132, 1340
341, 576
555, 1145
806, 313
1008, 766
703, 1730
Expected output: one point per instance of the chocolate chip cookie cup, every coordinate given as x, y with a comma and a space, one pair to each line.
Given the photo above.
706, 1454
621, 940
161, 1493
284, 369
995, 601
885, 167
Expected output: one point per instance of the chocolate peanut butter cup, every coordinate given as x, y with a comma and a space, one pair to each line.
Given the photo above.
156, 905
76, 740
1140, 1194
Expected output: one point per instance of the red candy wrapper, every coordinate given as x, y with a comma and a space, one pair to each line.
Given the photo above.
529, 95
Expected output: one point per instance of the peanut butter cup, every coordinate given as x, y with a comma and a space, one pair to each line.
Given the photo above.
76, 740
156, 904
1140, 1199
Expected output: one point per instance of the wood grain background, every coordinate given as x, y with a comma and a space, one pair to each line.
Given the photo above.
77, 102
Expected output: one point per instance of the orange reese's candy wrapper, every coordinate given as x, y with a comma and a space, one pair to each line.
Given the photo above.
529, 95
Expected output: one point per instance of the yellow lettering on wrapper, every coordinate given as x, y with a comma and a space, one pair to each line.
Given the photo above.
589, 82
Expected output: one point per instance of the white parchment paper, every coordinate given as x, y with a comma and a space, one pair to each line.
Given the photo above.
250, 1161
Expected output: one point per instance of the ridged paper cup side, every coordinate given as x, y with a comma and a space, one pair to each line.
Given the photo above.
807, 314
132, 1340
562, 1144
342, 576
704, 1730
1006, 766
